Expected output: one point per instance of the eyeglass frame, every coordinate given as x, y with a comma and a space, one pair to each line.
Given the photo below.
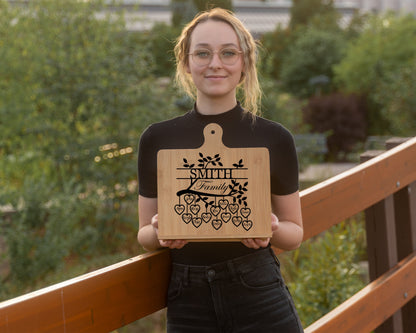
215, 52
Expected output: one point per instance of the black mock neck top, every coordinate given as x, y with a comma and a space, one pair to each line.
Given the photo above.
240, 129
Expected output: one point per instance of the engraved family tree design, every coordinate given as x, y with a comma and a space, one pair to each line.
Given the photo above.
215, 195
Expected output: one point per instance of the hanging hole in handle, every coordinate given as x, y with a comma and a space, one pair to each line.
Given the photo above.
212, 131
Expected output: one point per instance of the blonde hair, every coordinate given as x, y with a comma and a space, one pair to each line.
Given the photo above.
249, 82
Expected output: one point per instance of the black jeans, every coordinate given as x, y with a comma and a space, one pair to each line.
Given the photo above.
246, 294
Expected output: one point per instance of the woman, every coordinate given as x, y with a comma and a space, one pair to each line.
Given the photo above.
224, 286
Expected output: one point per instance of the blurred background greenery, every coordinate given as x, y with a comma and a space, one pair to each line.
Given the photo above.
77, 90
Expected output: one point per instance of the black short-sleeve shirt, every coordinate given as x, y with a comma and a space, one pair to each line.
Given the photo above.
240, 129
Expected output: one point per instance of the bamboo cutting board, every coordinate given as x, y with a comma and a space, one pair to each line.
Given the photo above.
214, 192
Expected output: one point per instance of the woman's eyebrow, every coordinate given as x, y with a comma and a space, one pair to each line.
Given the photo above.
222, 45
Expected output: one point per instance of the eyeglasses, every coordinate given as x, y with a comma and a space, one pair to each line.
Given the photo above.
203, 57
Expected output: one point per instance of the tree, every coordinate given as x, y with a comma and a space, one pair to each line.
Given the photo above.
274, 49
379, 54
307, 67
305, 12
74, 83
160, 42
399, 105
342, 118
184, 11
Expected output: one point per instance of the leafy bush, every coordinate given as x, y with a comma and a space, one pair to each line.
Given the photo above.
385, 46
307, 67
274, 48
378, 55
74, 85
399, 105
324, 272
342, 117
306, 12
280, 106
47, 227
160, 42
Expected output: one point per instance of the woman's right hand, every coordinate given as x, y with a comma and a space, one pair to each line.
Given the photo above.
170, 243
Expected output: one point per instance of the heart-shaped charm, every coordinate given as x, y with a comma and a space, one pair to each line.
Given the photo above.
186, 218
189, 198
179, 209
223, 203
237, 220
245, 212
233, 208
195, 209
216, 224
247, 224
196, 221
215, 210
206, 217
225, 217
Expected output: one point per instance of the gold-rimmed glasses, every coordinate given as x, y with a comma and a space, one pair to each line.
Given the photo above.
203, 57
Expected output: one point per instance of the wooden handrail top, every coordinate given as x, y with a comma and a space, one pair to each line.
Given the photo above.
354, 190
99, 301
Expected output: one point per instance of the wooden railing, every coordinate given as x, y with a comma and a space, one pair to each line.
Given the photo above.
112, 297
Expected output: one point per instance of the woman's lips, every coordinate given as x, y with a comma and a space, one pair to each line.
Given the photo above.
215, 77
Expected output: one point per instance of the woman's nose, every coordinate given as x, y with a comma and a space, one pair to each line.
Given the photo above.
215, 61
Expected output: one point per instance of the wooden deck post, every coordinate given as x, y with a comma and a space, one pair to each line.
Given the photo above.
382, 245
405, 216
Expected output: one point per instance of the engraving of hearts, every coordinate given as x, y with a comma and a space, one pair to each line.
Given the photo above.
225, 217
179, 209
233, 208
195, 209
189, 198
237, 220
223, 203
245, 212
247, 224
206, 217
196, 221
216, 224
215, 210
186, 218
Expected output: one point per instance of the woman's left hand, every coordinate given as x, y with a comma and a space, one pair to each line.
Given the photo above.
257, 243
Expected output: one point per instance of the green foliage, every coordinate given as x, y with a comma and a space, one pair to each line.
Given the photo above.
48, 227
160, 42
75, 84
374, 61
274, 49
307, 68
399, 105
324, 272
306, 12
385, 46
183, 11
204, 4
281, 107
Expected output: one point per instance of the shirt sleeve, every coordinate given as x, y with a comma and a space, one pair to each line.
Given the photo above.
284, 165
147, 164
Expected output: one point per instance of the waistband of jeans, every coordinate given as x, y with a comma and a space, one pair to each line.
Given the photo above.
240, 264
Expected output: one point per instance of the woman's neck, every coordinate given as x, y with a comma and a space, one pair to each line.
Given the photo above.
215, 106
